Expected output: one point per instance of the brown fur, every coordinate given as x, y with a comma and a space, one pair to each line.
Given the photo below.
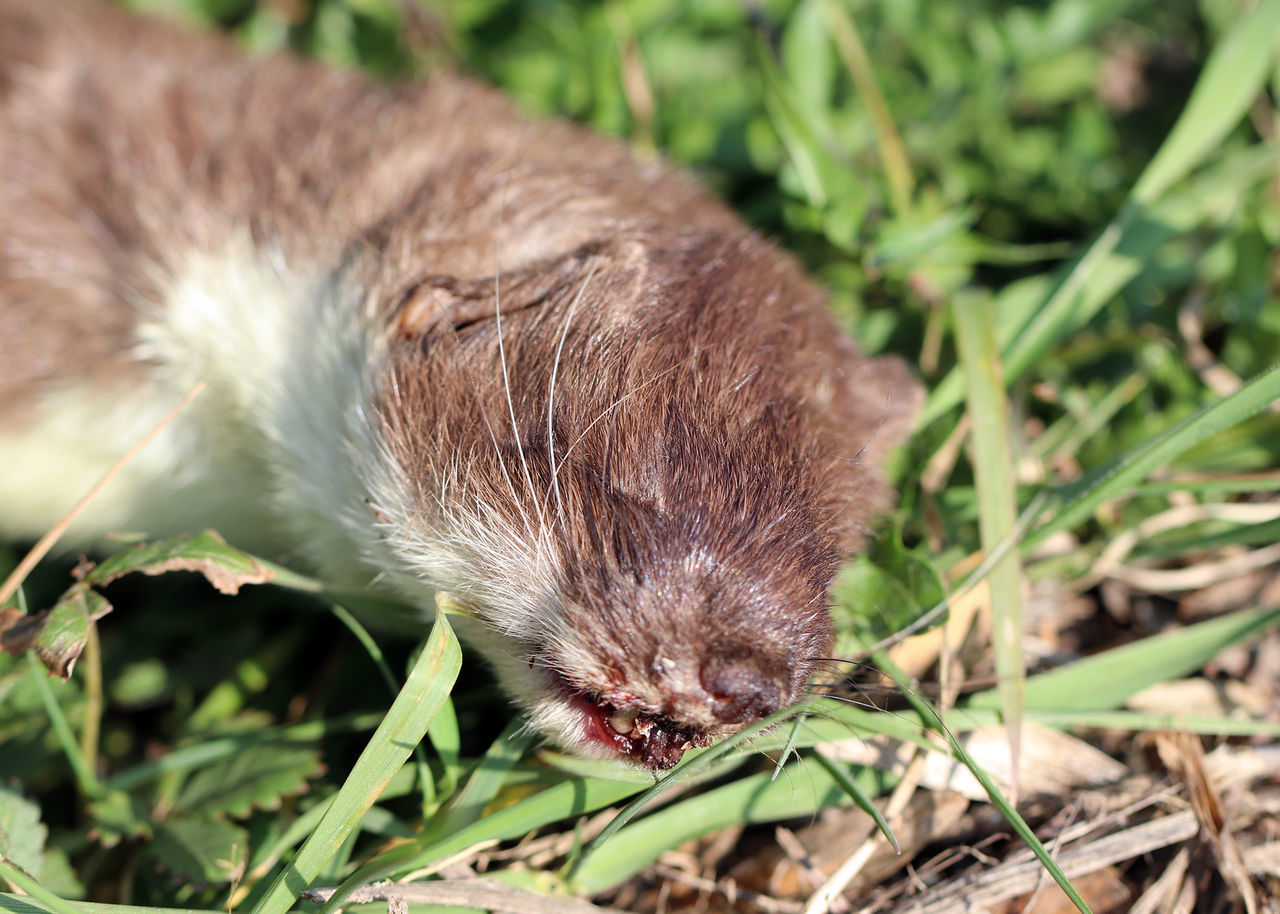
715, 437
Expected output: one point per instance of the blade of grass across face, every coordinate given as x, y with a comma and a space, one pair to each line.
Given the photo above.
425, 691
1232, 77
997, 500
696, 765
803, 789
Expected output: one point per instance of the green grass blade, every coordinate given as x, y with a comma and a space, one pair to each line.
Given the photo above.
557, 803
21, 880
90, 786
1234, 74
1024, 831
371, 648
857, 795
21, 904
803, 789
893, 155
1232, 77
997, 500
468, 804
1083, 498
424, 692
803, 149
1148, 722
1106, 680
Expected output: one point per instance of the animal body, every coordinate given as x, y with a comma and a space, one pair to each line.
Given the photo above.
446, 347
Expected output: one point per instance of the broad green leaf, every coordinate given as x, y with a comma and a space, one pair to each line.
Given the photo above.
200, 851
56, 636
66, 629
879, 594
117, 815
22, 834
257, 777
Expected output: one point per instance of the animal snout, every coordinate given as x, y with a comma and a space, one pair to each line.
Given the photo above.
740, 692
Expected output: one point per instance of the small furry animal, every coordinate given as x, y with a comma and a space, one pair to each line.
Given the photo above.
447, 347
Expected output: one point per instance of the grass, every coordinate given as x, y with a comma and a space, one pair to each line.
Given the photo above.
1066, 216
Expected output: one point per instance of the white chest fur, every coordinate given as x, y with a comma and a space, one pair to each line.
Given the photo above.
279, 446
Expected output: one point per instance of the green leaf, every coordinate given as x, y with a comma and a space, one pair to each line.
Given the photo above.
200, 851
22, 834
259, 776
61, 642
879, 594
116, 815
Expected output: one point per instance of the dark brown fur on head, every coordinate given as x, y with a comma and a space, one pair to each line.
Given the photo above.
697, 442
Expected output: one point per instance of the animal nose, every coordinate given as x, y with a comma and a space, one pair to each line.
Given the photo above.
740, 692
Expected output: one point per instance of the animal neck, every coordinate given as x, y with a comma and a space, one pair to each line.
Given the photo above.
291, 362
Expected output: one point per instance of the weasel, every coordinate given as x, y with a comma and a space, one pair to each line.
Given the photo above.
448, 347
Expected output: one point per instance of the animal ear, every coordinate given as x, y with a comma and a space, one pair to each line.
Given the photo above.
435, 303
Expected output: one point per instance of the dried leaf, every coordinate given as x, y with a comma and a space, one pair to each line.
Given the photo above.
207, 553
18, 631
56, 635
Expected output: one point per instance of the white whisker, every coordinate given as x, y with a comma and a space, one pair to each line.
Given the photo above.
551, 392
506, 386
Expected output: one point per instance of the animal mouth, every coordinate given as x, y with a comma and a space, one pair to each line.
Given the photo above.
656, 742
